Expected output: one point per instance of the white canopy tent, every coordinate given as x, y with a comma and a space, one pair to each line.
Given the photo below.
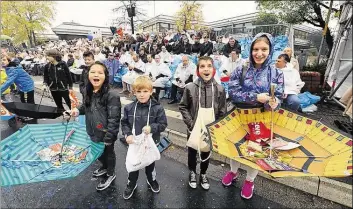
339, 68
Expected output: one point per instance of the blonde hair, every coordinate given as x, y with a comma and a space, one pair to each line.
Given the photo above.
142, 82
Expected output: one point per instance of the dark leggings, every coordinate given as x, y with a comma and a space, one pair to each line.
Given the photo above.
150, 174
27, 97
192, 160
158, 90
108, 159
58, 96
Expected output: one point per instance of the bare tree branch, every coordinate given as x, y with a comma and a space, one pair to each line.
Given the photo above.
327, 7
311, 22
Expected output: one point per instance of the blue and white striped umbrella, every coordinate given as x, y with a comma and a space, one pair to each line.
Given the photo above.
20, 163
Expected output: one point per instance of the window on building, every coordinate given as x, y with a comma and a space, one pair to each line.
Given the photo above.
301, 34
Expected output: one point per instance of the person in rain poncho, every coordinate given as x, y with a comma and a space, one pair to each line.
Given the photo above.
203, 102
125, 57
232, 63
292, 82
165, 55
150, 67
102, 108
252, 90
113, 66
136, 68
183, 75
163, 75
293, 61
6, 96
136, 115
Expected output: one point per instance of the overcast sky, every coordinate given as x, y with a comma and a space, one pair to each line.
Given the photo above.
99, 13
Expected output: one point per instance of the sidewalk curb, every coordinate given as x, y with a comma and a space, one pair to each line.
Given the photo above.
318, 186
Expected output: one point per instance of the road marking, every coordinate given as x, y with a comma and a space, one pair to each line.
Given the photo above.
124, 101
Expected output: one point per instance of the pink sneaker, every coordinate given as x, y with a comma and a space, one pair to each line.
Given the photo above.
228, 178
247, 190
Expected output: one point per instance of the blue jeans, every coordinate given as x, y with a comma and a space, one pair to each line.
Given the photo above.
111, 79
292, 102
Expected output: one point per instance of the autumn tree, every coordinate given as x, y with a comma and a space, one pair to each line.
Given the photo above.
122, 16
189, 16
266, 19
23, 19
295, 12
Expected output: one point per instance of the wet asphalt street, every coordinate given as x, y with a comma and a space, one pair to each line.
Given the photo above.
80, 192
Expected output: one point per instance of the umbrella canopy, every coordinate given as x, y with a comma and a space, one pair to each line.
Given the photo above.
321, 152
22, 163
5, 114
32, 110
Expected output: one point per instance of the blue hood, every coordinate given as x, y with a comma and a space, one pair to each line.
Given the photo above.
268, 60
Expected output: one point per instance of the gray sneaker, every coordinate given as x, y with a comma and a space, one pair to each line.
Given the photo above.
105, 183
99, 172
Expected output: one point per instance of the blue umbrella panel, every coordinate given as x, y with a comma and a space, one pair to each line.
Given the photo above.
31, 154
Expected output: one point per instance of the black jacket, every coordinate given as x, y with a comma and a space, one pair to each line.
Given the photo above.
196, 48
227, 49
143, 58
206, 49
83, 79
182, 48
103, 116
70, 62
189, 104
153, 53
158, 119
57, 77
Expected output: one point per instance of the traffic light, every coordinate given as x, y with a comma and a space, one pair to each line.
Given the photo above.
131, 11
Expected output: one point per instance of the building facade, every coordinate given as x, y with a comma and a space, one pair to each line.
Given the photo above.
72, 30
160, 23
238, 27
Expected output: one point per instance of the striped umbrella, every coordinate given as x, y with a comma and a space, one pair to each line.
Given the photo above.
20, 163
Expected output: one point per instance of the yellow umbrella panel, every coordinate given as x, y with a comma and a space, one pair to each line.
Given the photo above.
323, 151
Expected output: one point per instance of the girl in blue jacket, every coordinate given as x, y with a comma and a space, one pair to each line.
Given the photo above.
23, 81
250, 88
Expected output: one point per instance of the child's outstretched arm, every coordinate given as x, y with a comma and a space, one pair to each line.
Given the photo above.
114, 114
161, 121
184, 108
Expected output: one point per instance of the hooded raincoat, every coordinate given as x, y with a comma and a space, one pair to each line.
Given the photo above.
256, 81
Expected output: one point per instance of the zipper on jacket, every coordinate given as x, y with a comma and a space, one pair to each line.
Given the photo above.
205, 97
63, 85
56, 78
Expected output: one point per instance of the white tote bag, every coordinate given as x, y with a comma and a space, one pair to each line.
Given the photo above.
143, 151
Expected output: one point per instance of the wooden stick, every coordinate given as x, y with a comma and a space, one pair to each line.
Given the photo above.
273, 86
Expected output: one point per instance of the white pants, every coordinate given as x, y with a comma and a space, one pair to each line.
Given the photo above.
251, 173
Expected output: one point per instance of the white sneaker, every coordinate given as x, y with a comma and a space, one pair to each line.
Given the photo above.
204, 182
192, 180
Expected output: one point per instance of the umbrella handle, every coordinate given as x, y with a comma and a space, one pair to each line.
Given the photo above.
41, 99
62, 144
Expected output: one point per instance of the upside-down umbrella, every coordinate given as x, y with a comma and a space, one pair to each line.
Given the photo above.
36, 111
320, 150
31, 154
